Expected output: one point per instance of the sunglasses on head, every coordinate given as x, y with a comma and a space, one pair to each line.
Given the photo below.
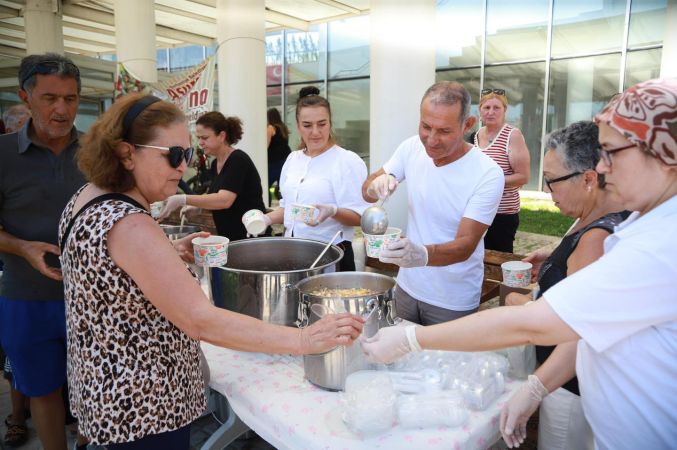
492, 91
176, 154
47, 68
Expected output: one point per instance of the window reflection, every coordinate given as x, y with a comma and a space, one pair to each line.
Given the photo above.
647, 22
459, 25
306, 54
184, 57
524, 85
642, 65
516, 30
349, 47
580, 87
585, 26
350, 115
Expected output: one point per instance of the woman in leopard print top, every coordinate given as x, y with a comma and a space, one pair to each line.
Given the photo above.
135, 314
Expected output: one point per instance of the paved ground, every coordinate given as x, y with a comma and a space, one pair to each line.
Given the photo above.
205, 426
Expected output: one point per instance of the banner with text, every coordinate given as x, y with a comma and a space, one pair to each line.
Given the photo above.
191, 90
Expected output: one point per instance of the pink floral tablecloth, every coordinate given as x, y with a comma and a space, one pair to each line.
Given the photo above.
270, 394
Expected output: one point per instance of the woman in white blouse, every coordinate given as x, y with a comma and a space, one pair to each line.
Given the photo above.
323, 175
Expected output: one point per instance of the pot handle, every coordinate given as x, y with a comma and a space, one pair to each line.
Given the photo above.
302, 314
389, 312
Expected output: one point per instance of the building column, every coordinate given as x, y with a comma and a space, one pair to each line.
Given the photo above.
135, 42
241, 64
43, 26
402, 67
668, 60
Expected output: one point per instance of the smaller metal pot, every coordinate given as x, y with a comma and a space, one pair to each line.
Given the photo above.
329, 370
177, 231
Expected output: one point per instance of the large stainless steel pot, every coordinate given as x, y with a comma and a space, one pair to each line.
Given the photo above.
329, 370
260, 276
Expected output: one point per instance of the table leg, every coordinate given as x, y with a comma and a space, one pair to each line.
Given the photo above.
229, 430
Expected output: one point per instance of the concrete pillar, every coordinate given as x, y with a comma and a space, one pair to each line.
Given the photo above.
402, 68
241, 64
669, 58
135, 38
43, 26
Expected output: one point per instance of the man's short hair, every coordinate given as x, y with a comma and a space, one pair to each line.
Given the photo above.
13, 115
449, 93
47, 64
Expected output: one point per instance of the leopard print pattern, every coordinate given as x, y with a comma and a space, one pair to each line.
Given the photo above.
131, 372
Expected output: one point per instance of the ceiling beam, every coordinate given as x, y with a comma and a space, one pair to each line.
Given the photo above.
183, 13
105, 18
94, 41
341, 6
286, 21
7, 12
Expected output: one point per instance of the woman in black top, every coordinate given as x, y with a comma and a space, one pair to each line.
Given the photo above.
278, 148
236, 184
578, 191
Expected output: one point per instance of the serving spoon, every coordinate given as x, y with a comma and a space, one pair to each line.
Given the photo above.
375, 219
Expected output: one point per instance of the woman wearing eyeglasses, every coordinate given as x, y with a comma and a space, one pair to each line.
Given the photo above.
236, 184
506, 146
620, 310
578, 191
135, 313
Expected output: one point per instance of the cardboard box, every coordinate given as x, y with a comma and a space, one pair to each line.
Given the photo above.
504, 290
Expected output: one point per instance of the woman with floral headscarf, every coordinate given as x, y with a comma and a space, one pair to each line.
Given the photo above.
621, 309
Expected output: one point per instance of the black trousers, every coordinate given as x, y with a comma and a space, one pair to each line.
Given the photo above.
347, 263
501, 234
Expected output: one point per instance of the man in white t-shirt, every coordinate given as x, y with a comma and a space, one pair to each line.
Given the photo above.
453, 191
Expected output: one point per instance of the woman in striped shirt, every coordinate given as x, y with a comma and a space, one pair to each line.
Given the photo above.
506, 146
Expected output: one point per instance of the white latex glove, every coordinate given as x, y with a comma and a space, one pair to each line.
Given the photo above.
404, 253
391, 343
188, 211
173, 203
520, 407
324, 212
381, 186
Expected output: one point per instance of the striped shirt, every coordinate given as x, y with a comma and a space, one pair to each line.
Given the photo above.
498, 151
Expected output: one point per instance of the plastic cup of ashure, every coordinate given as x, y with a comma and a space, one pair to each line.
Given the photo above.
155, 209
374, 242
211, 251
516, 273
302, 213
254, 222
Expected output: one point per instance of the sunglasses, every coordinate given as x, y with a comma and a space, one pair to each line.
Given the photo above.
549, 183
492, 91
48, 68
176, 154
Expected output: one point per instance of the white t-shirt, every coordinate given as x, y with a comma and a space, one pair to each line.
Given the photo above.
624, 307
439, 197
334, 177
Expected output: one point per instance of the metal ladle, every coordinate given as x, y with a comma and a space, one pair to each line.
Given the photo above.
375, 219
339, 232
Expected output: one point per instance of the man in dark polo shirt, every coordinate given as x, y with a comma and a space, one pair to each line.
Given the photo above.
38, 175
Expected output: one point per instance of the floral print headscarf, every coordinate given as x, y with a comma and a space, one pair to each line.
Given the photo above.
646, 115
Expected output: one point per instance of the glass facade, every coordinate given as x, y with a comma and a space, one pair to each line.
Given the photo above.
558, 60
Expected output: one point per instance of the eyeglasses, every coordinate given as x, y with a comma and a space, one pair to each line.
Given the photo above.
549, 183
606, 154
176, 154
49, 67
494, 91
